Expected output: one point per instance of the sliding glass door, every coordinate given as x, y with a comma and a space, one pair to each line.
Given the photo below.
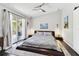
17, 28
20, 28
13, 28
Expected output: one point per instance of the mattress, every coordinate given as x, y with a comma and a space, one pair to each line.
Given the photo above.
42, 41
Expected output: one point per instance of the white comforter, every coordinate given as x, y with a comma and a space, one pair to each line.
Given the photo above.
42, 41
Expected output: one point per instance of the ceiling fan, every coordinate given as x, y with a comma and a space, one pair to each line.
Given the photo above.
39, 7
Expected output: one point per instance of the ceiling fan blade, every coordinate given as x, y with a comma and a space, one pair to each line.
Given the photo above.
42, 4
42, 10
39, 5
76, 7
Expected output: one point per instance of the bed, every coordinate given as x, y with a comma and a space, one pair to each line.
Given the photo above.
42, 42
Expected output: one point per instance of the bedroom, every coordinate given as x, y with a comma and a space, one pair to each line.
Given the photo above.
21, 20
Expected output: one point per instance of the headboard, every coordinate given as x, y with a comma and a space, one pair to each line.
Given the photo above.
53, 32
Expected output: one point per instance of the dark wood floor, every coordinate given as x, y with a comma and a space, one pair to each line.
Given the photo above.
3, 53
69, 49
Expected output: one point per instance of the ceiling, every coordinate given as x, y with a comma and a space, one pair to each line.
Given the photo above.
27, 8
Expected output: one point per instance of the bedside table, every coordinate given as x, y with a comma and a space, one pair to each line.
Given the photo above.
29, 36
1, 44
59, 38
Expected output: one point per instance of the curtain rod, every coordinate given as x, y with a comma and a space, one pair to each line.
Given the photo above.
13, 13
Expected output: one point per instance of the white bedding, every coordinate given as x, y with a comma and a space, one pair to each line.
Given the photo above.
42, 41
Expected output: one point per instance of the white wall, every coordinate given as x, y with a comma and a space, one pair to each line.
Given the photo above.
68, 33
76, 30
52, 19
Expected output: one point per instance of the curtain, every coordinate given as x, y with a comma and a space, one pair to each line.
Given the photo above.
6, 29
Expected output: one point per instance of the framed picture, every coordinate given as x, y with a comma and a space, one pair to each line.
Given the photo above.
66, 23
44, 26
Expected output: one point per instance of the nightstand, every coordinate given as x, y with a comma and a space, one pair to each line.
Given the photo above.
29, 36
59, 38
1, 45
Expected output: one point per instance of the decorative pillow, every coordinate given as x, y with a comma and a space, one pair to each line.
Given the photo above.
47, 33
40, 33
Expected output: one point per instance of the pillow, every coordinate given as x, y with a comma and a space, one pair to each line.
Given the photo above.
47, 33
40, 33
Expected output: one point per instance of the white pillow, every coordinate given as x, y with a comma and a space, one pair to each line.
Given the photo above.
47, 33
40, 33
